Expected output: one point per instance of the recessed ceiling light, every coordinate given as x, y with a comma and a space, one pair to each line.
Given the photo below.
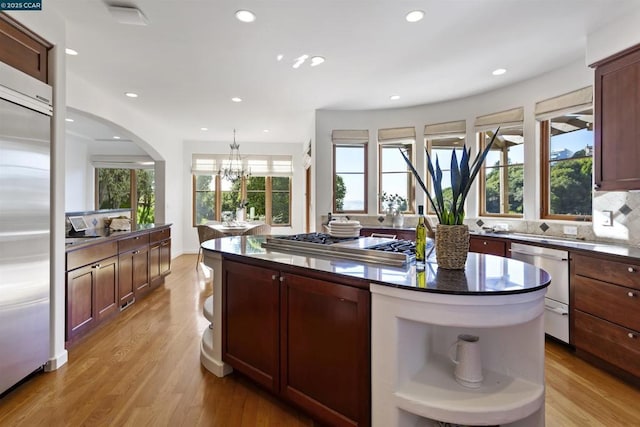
236, 99
279, 57
414, 16
116, 137
394, 97
131, 94
499, 71
204, 128
266, 131
71, 52
316, 60
300, 60
245, 16
68, 120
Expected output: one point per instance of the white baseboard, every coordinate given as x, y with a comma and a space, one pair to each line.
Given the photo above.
56, 362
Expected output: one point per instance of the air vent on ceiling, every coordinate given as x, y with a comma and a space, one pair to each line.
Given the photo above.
112, 140
128, 15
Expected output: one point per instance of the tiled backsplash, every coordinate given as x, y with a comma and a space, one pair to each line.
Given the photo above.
96, 219
624, 228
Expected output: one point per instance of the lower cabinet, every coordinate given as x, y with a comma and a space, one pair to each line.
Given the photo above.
92, 295
133, 278
159, 255
605, 301
304, 339
487, 245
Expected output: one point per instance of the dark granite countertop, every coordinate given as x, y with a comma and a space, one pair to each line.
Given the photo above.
484, 274
98, 235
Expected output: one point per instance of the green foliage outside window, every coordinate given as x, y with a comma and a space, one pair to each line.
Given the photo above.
280, 200
340, 192
571, 182
146, 196
114, 188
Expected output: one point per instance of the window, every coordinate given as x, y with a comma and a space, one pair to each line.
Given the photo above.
566, 149
502, 177
265, 197
567, 182
440, 140
395, 177
350, 170
124, 188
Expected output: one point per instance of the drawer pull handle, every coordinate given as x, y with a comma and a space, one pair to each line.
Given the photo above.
631, 269
631, 335
484, 243
273, 277
136, 252
95, 266
136, 238
631, 294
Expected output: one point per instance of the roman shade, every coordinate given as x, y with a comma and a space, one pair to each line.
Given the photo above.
571, 102
396, 134
453, 129
504, 119
210, 164
350, 137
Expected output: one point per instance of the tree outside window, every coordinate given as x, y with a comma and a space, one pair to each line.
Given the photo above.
567, 175
502, 177
127, 189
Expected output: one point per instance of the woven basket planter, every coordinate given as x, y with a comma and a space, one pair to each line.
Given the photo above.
452, 246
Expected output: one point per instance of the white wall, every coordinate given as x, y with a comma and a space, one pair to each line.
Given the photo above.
525, 94
78, 182
246, 149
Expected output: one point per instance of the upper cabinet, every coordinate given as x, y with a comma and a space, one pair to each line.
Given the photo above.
23, 50
617, 122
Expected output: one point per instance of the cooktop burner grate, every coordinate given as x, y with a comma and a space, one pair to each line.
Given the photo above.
401, 246
320, 238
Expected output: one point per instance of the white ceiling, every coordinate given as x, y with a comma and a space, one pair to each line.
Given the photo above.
194, 56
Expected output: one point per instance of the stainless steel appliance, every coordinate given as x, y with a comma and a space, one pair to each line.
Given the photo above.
368, 249
556, 304
25, 110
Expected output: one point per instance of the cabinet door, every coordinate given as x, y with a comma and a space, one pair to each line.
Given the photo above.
154, 263
80, 312
325, 356
106, 288
617, 123
140, 273
165, 257
125, 278
250, 326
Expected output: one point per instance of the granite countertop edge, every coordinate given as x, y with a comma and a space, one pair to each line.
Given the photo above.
100, 235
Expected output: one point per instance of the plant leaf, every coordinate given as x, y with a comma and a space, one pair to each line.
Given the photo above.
455, 183
420, 182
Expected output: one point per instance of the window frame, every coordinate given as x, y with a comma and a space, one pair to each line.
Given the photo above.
365, 173
545, 177
482, 178
411, 186
243, 195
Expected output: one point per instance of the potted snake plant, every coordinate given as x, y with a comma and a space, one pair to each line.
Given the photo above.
452, 235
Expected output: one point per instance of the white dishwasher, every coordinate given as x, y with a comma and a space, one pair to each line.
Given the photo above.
556, 304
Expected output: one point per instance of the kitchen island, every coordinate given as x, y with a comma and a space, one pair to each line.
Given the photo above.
360, 343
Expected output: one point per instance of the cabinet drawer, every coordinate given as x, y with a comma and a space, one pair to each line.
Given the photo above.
91, 254
156, 236
133, 242
620, 273
612, 343
611, 302
488, 246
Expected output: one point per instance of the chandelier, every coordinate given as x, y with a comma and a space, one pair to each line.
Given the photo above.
235, 168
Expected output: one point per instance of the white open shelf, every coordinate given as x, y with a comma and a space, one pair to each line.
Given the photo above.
434, 393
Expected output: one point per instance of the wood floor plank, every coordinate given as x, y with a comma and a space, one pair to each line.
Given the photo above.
143, 369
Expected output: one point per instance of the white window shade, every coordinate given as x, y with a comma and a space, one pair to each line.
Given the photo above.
577, 100
448, 129
350, 137
396, 134
210, 164
508, 118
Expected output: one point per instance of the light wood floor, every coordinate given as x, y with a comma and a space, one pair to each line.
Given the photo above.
143, 369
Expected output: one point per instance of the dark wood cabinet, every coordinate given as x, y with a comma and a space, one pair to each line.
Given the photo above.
159, 255
325, 366
605, 302
488, 245
617, 122
103, 277
251, 325
306, 339
133, 262
22, 49
92, 287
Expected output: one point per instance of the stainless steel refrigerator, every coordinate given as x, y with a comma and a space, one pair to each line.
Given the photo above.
25, 115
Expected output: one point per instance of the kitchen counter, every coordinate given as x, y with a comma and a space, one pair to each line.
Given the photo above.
484, 275
98, 235
568, 244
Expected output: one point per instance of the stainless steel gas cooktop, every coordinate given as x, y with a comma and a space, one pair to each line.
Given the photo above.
368, 249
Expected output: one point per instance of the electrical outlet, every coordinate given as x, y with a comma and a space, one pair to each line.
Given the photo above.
607, 218
570, 230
